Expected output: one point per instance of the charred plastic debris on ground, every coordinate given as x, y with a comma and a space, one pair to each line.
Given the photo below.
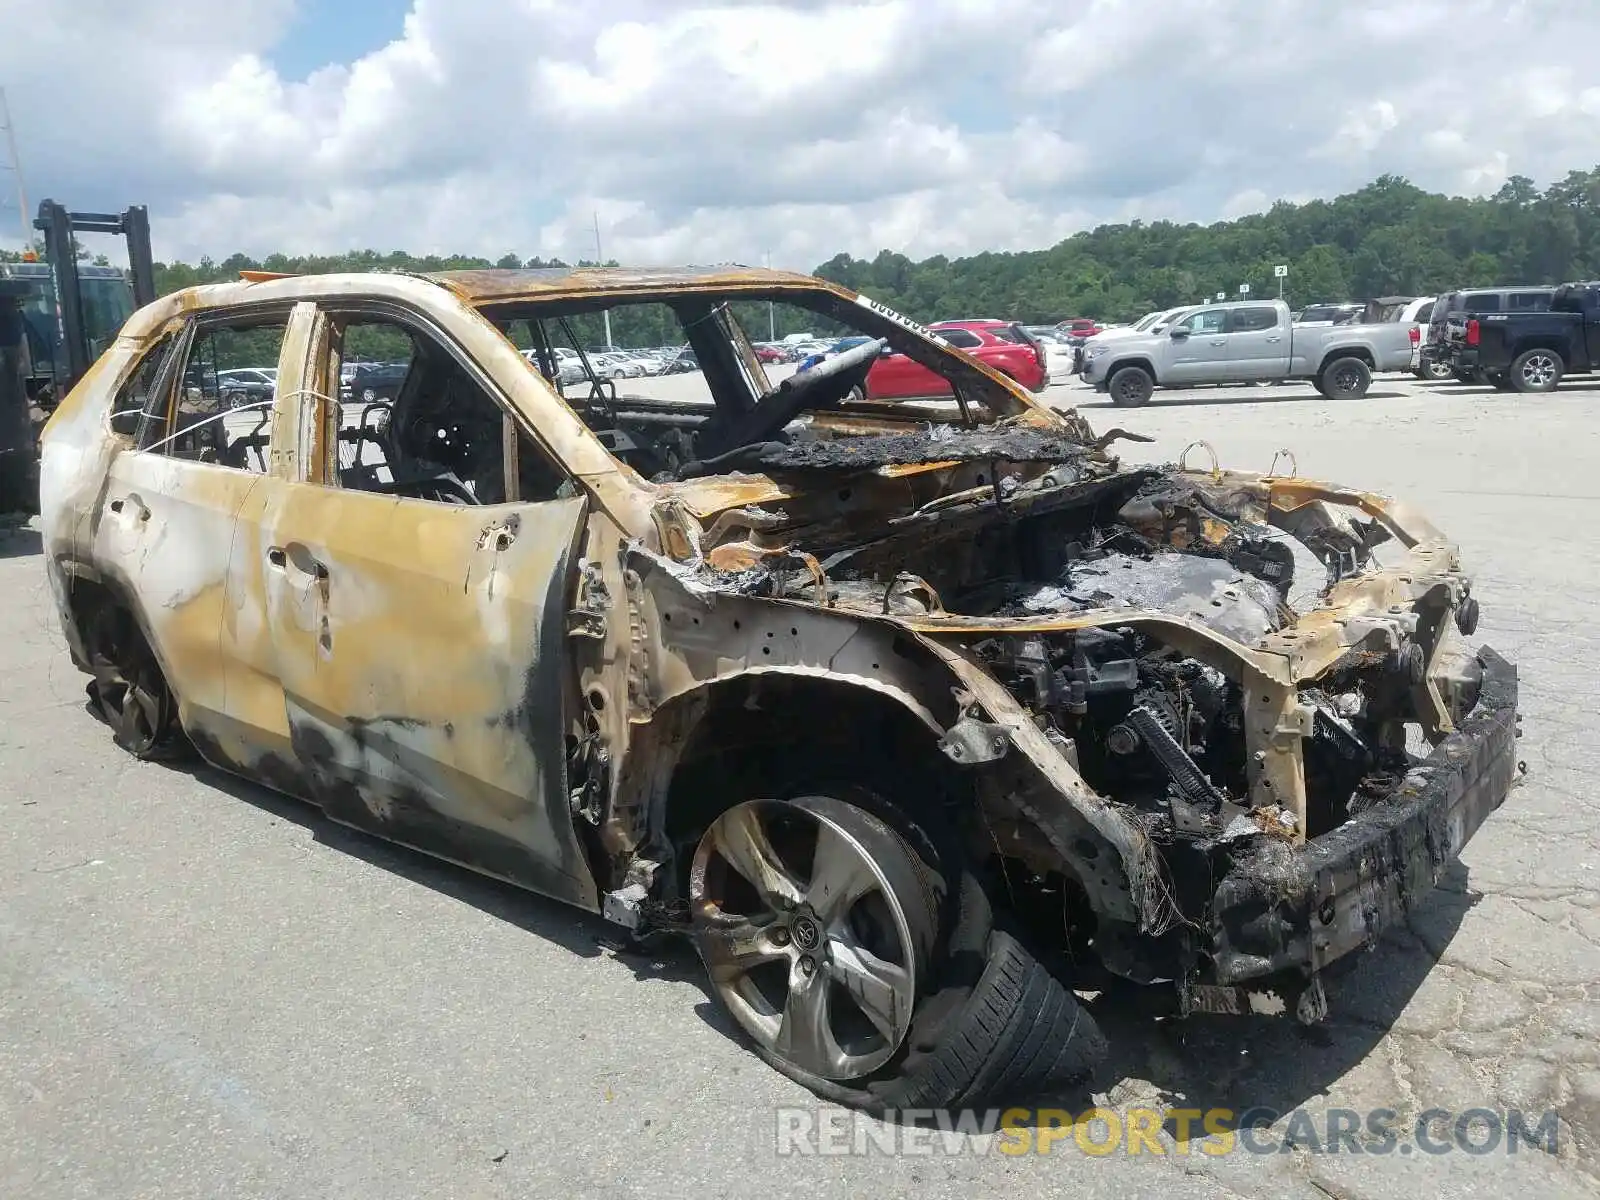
1159, 733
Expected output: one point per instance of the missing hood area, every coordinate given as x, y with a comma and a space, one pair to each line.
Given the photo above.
933, 443
1006, 544
1033, 523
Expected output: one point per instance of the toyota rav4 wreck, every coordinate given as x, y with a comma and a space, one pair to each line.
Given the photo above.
918, 718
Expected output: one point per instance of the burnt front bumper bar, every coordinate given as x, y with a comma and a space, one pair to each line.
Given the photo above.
1290, 912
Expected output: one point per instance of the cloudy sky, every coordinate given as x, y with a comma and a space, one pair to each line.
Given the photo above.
709, 133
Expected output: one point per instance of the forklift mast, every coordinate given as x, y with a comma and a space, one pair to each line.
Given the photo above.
58, 226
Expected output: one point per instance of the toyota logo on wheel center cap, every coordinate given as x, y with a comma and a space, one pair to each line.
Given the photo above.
805, 933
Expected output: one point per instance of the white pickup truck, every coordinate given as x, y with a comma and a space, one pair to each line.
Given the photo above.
1247, 342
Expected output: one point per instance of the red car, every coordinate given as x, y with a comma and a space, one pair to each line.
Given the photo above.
1081, 328
1002, 345
771, 354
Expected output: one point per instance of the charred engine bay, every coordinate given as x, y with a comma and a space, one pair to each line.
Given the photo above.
934, 443
1147, 726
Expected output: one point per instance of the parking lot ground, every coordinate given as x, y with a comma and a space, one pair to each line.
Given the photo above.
206, 990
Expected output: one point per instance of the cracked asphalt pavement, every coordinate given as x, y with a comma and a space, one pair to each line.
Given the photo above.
207, 990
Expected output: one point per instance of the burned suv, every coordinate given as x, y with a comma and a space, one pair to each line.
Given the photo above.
917, 718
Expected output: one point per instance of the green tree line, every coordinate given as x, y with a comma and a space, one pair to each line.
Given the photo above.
1388, 238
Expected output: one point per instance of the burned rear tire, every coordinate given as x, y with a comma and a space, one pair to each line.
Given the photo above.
129, 692
862, 970
1345, 379
1131, 387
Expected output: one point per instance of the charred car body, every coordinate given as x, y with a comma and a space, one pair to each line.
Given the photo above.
913, 716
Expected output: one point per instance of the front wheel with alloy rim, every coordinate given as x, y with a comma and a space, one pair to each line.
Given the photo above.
1345, 379
816, 927
1536, 371
1131, 387
847, 957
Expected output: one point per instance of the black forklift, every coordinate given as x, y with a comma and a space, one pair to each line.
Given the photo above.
56, 318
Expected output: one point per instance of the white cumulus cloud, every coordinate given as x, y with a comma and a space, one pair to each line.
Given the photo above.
706, 132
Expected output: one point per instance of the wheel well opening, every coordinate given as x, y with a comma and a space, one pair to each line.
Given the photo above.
779, 736
86, 599
1334, 356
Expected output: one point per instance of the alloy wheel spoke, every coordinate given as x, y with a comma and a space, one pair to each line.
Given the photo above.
881, 989
143, 709
106, 673
734, 946
805, 1036
743, 842
840, 876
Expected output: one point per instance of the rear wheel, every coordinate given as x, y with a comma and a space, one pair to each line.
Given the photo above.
1131, 387
852, 961
1437, 369
1536, 371
1345, 379
129, 692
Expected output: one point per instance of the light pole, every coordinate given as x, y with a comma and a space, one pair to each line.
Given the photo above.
599, 261
772, 318
16, 167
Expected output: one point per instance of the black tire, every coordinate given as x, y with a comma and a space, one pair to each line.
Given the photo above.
1537, 370
989, 1023
1018, 1035
1437, 370
1130, 387
1345, 379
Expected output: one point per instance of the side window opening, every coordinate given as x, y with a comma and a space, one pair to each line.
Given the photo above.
1210, 320
140, 404
219, 405
1252, 320
756, 364
645, 399
414, 421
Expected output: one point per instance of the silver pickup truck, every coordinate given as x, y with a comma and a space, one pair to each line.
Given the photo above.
1247, 342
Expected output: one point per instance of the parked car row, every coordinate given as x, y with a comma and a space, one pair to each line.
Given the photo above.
240, 386
571, 366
